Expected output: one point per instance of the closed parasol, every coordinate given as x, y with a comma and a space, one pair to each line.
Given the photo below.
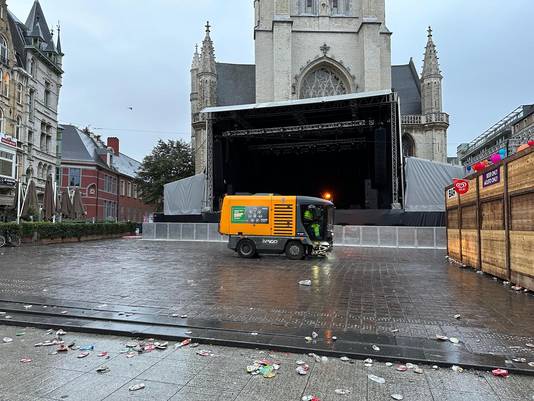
77, 205
66, 205
49, 201
31, 207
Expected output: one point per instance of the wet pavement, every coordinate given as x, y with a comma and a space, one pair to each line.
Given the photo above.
387, 296
183, 375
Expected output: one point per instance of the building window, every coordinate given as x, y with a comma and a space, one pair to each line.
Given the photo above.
110, 210
20, 92
5, 84
123, 188
129, 190
30, 137
31, 106
310, 6
135, 191
6, 164
47, 94
321, 82
4, 52
2, 121
408, 145
75, 177
18, 128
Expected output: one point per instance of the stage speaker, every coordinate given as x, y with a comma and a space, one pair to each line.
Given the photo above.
381, 162
371, 196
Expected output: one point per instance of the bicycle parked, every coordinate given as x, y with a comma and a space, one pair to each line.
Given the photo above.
9, 239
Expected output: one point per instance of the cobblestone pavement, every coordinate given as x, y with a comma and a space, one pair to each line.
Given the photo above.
183, 375
370, 291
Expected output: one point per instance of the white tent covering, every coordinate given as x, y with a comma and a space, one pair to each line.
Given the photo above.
425, 184
185, 197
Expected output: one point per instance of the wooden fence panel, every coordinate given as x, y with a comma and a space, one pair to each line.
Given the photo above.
522, 239
493, 238
453, 234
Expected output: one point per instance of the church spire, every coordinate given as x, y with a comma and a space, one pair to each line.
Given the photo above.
196, 59
58, 46
207, 57
431, 61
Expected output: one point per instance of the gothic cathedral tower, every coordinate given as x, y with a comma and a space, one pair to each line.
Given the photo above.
203, 94
314, 48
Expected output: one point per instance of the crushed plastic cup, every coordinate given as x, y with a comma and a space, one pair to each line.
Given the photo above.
342, 391
344, 359
454, 340
457, 369
376, 348
314, 335
324, 359
410, 365
457, 317
531, 364
183, 343
418, 370
389, 364
60, 332
334, 338
83, 354
376, 379
397, 397
25, 360
402, 368
500, 373
303, 369
136, 387
530, 345
62, 348
308, 339
7, 340
89, 347
368, 360
441, 338
102, 354
203, 352
305, 283
103, 369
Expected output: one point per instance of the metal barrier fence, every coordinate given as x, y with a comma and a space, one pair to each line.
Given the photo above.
362, 236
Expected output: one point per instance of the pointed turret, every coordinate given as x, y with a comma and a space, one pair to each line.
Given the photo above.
208, 53
58, 46
195, 65
431, 79
431, 61
38, 29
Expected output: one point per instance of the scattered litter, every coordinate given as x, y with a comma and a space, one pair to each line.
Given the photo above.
435, 367
263, 367
308, 339
457, 316
175, 315
508, 362
130, 355
315, 356
441, 338
309, 398
89, 347
342, 391
500, 373
457, 369
64, 312
103, 369
334, 338
418, 370
389, 364
303, 369
138, 386
60, 332
402, 368
324, 359
368, 360
376, 379
183, 316
7, 340
530, 345
520, 360
2, 313
505, 283
149, 348
25, 360
161, 346
480, 272
411, 365
397, 397
102, 354
300, 362
376, 348
395, 330
517, 288
20, 333
344, 359
62, 348
253, 333
454, 340
306, 283
27, 306
205, 353
183, 343
194, 345
9, 317
83, 354
314, 335
531, 364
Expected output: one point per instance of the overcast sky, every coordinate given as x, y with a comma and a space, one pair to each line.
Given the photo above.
122, 53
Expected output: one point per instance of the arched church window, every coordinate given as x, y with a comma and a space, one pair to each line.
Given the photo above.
322, 81
308, 7
3, 50
408, 145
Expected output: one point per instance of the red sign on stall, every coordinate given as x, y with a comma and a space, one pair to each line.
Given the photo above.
461, 186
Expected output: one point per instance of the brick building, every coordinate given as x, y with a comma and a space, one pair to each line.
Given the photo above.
104, 175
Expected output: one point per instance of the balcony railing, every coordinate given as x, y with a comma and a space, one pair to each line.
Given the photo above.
415, 119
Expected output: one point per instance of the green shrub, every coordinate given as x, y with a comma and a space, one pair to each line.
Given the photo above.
47, 230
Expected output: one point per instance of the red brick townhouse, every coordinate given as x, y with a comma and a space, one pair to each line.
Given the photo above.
104, 175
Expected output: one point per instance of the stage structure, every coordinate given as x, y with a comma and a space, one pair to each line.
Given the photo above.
346, 145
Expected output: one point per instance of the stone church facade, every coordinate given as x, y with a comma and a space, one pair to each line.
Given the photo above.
318, 48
